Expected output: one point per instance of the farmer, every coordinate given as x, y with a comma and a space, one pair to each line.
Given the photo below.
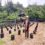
27, 22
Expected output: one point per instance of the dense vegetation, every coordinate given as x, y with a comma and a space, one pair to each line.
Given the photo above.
36, 12
11, 11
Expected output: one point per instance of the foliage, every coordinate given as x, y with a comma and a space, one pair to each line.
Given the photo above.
11, 11
36, 12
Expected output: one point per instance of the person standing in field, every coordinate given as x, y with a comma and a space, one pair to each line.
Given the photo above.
27, 23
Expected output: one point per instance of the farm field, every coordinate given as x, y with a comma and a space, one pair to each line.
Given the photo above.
38, 38
22, 22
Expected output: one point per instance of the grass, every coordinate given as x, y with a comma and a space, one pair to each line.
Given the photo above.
1, 42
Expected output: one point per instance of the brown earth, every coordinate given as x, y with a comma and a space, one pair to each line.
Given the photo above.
38, 38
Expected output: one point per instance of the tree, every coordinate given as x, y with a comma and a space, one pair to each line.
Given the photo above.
0, 6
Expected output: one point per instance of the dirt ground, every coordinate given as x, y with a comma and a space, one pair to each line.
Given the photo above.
38, 38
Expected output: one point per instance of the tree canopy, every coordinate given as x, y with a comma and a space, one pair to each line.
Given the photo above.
11, 11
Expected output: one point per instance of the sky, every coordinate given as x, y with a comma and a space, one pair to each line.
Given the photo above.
26, 2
